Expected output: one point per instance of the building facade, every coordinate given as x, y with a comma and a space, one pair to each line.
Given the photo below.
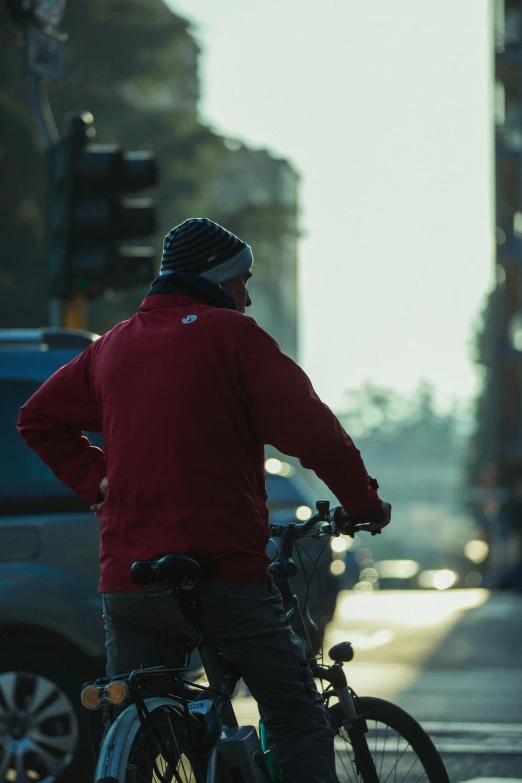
257, 198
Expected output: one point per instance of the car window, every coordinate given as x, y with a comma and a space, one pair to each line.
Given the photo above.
23, 476
282, 491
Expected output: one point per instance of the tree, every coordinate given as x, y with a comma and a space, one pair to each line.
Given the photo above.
133, 64
414, 449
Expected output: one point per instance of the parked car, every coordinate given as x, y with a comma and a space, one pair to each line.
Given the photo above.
51, 627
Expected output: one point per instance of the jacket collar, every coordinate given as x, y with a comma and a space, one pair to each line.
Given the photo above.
183, 288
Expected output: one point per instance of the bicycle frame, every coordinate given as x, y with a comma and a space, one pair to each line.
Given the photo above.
222, 680
282, 569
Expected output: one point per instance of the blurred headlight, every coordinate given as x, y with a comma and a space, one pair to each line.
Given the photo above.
397, 569
476, 551
303, 513
440, 580
337, 567
338, 544
273, 465
278, 468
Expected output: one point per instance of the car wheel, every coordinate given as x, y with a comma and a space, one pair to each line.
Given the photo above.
42, 731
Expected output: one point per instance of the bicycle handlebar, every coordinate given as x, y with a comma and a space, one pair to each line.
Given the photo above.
336, 519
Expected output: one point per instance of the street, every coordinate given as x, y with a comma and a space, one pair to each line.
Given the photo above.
453, 659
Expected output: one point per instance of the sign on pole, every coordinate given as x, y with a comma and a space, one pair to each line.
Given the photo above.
44, 13
49, 12
45, 53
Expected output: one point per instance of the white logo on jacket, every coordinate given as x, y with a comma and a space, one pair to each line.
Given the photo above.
188, 319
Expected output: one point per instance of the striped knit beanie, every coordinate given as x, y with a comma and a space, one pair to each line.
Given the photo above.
202, 247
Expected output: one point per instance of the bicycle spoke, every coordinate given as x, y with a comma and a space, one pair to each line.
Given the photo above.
344, 765
398, 759
410, 769
384, 746
391, 755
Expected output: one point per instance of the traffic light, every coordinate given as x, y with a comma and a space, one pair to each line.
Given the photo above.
92, 223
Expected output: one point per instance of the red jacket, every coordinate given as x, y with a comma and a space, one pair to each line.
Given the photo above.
185, 406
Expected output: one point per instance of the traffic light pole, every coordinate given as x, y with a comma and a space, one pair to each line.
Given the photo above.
89, 216
39, 20
49, 133
42, 110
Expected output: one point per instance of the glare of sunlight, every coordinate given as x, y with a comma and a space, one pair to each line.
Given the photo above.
412, 607
369, 641
444, 579
441, 579
476, 551
397, 569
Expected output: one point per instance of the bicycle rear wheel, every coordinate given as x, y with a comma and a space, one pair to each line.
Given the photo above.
131, 752
399, 747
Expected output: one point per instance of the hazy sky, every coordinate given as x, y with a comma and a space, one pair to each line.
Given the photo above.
384, 108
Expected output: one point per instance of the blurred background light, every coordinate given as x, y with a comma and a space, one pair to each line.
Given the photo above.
369, 575
339, 544
397, 569
441, 579
476, 551
278, 468
337, 567
363, 587
303, 513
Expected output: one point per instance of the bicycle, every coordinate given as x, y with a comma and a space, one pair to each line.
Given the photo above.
188, 731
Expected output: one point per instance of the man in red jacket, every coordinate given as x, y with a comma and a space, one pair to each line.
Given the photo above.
187, 392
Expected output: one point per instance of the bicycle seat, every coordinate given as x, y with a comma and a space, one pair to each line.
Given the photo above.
176, 569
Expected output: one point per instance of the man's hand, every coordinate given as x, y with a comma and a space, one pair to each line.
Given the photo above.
97, 508
376, 527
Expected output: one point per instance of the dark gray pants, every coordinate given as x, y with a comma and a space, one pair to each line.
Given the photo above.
252, 632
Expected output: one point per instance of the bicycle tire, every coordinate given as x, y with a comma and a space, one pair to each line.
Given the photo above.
120, 757
407, 729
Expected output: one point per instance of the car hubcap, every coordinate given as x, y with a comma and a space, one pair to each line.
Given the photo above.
38, 729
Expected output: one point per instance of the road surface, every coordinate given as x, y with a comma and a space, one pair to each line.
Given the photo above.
453, 659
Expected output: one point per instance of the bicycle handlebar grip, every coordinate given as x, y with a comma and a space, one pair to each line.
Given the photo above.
340, 517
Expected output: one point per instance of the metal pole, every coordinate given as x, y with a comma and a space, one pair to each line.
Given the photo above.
49, 132
41, 107
55, 312
42, 110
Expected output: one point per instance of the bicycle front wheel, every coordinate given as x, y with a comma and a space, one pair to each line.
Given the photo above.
398, 746
132, 753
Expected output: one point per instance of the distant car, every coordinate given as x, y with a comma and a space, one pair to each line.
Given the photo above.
51, 627
289, 499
